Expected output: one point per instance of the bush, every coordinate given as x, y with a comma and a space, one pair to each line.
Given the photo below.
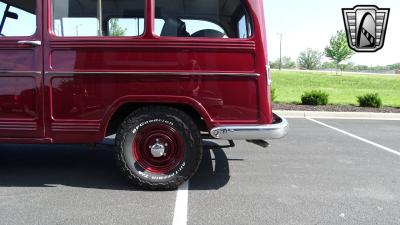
314, 98
370, 100
273, 94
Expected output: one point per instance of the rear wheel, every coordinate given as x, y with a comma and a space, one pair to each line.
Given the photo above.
158, 147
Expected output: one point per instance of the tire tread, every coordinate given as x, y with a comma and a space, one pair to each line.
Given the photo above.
192, 130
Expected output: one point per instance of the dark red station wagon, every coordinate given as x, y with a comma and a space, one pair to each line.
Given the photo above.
160, 74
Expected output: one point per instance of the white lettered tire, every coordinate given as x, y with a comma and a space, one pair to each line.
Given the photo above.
158, 147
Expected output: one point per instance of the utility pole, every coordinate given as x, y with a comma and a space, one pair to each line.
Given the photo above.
100, 16
280, 51
77, 29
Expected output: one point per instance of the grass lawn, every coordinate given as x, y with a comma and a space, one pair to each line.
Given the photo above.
342, 89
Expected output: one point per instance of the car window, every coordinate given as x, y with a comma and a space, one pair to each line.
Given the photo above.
192, 26
202, 19
18, 19
98, 18
244, 27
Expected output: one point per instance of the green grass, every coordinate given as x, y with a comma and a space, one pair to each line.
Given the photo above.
342, 89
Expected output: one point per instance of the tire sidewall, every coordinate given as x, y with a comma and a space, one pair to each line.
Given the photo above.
181, 171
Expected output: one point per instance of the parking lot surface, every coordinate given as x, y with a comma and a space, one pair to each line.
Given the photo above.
325, 171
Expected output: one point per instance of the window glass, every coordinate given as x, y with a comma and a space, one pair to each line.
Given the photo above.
192, 26
158, 26
202, 18
17, 19
125, 27
70, 27
98, 18
242, 27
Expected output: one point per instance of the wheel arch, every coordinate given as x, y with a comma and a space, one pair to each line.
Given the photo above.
126, 105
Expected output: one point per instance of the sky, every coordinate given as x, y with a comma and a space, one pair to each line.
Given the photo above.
311, 23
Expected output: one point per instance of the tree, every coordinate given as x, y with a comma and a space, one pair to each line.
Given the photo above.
338, 49
346, 66
116, 29
394, 66
359, 68
274, 64
287, 63
309, 59
328, 65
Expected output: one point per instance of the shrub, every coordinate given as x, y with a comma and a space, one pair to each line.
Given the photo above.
273, 94
370, 100
314, 98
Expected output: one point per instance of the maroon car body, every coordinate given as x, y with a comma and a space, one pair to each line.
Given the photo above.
78, 89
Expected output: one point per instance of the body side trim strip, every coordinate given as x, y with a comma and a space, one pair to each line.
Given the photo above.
157, 73
19, 72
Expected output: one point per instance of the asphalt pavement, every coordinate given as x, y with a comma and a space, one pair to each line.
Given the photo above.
326, 171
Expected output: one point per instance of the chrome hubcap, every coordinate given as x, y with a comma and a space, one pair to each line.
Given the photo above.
158, 150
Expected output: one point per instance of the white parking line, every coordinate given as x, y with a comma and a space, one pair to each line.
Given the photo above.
342, 118
181, 205
357, 137
339, 115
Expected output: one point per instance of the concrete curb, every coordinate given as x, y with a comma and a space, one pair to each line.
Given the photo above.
338, 115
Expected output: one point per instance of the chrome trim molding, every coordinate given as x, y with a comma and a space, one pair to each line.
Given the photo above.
75, 127
19, 72
255, 132
269, 78
157, 73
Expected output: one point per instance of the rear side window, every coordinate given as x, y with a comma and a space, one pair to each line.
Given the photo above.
17, 18
202, 19
244, 27
88, 18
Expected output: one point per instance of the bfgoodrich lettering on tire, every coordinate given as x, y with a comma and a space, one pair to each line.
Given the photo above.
158, 147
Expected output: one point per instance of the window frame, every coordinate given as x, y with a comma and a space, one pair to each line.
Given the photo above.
249, 23
149, 28
55, 36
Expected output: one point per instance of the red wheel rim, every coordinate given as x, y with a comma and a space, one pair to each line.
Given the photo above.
160, 134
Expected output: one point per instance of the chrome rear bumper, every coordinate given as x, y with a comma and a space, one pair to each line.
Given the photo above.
277, 130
